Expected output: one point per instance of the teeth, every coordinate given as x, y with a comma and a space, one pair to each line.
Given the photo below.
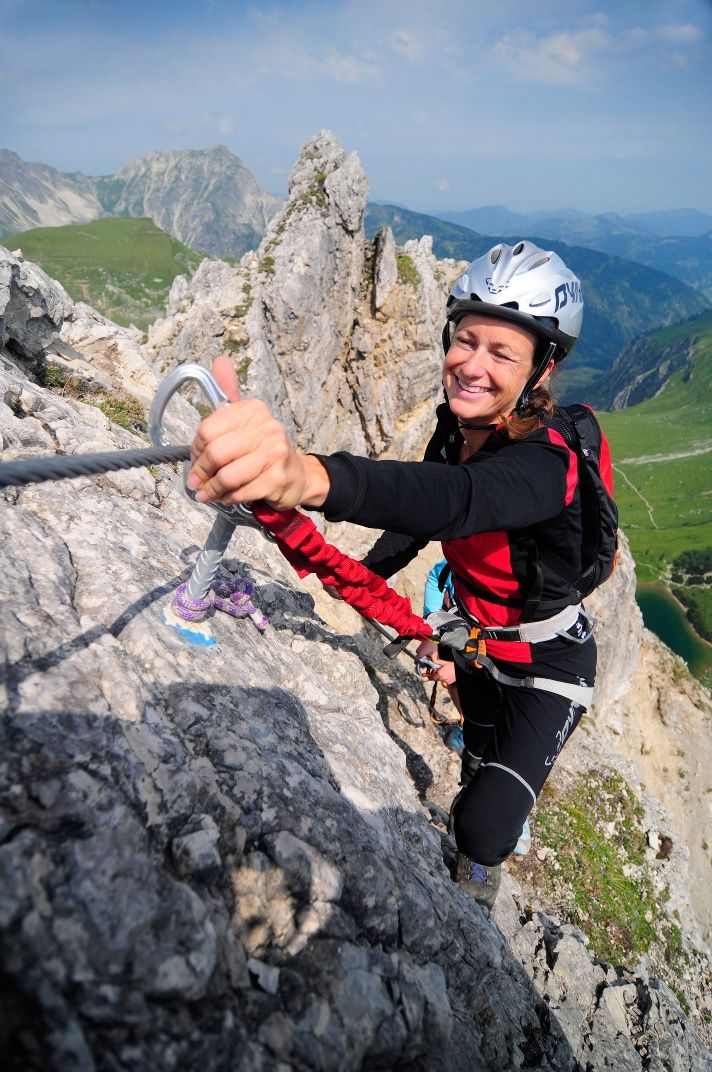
473, 390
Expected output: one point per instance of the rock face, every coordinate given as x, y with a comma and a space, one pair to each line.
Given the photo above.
222, 849
338, 335
33, 307
207, 198
643, 368
36, 195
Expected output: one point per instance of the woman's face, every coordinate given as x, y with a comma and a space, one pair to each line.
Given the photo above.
487, 367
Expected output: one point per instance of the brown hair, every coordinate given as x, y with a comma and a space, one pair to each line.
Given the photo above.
521, 425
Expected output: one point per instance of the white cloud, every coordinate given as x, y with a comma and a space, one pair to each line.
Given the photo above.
348, 69
559, 59
683, 34
407, 45
297, 65
443, 185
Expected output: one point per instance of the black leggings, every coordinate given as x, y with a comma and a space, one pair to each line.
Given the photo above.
517, 734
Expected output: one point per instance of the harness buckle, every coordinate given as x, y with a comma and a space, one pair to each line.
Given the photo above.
476, 647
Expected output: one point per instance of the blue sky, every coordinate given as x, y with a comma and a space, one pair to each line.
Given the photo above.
450, 105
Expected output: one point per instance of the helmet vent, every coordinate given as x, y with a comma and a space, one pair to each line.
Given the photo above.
517, 249
538, 264
495, 254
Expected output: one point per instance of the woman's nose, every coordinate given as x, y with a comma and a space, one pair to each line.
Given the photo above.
477, 362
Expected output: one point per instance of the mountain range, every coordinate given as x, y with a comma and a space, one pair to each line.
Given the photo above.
677, 242
206, 198
558, 223
209, 200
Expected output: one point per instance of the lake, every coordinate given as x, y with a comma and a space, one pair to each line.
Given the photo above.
665, 617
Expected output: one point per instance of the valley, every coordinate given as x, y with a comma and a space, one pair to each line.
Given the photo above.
661, 455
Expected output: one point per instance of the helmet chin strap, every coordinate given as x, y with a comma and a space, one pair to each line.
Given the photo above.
523, 400
476, 427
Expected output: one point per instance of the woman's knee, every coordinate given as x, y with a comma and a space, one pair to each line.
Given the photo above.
484, 844
488, 822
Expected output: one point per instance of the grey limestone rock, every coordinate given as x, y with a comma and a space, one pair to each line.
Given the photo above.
319, 323
33, 307
385, 268
207, 198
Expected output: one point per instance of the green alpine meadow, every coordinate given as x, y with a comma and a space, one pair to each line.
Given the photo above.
122, 267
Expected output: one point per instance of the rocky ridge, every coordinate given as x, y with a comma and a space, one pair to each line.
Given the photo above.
37, 195
207, 198
644, 367
338, 335
232, 854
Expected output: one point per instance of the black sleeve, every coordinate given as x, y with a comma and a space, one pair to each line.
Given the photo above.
391, 552
522, 484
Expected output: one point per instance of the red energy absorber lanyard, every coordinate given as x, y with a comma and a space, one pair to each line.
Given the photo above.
305, 548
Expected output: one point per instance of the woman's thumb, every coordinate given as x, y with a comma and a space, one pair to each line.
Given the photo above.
226, 378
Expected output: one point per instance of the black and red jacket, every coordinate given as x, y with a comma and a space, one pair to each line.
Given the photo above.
509, 519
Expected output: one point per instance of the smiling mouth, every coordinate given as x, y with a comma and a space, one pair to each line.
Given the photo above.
472, 389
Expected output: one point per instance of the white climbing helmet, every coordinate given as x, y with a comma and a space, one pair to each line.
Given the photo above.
525, 285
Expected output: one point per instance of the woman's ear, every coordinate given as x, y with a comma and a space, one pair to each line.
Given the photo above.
546, 373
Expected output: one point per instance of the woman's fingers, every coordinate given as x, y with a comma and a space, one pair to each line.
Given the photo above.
233, 482
225, 376
248, 425
255, 462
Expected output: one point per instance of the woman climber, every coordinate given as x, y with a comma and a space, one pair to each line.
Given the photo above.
499, 487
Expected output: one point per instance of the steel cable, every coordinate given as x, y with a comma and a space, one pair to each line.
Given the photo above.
65, 466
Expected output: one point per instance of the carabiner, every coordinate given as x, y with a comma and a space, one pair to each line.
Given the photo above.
238, 513
182, 374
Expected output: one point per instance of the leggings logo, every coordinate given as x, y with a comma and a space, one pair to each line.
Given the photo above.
562, 734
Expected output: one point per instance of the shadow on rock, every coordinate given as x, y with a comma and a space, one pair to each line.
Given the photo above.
196, 890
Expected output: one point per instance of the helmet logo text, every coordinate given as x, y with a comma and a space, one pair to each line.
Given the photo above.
494, 289
566, 292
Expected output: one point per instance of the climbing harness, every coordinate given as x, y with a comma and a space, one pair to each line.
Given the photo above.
469, 646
